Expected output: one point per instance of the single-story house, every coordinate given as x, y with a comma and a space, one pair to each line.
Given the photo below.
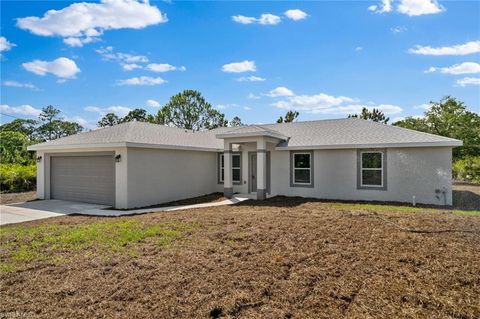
139, 164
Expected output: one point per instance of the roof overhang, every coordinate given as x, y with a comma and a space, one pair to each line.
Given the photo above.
252, 134
452, 143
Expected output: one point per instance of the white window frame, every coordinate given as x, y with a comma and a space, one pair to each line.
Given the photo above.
371, 169
301, 168
222, 160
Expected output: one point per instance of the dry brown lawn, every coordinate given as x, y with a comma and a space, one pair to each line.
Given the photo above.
282, 258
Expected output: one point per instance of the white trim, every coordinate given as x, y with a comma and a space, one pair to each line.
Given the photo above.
251, 134
302, 168
381, 169
221, 168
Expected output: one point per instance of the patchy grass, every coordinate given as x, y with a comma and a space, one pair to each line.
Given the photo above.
279, 258
25, 246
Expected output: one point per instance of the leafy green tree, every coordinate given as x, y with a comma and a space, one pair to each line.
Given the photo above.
374, 115
139, 115
47, 117
24, 126
13, 147
109, 119
189, 110
450, 118
290, 116
236, 121
53, 126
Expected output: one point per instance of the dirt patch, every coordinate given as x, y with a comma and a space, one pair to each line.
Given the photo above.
466, 196
283, 258
10, 198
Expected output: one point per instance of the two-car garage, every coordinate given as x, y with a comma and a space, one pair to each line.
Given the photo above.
80, 178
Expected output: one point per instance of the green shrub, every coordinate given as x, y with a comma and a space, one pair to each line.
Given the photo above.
17, 178
467, 169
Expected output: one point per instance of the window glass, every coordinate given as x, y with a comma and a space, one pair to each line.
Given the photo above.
222, 175
372, 177
371, 160
235, 160
236, 174
302, 160
302, 176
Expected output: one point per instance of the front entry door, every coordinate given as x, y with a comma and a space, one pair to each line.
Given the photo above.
253, 173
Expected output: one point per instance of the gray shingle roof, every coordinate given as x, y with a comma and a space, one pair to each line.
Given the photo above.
340, 133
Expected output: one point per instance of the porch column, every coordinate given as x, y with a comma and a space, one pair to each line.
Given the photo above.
261, 169
227, 170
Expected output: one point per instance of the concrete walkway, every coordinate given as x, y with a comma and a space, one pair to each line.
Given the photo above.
27, 211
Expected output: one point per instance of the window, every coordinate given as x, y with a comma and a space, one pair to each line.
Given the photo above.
371, 174
302, 166
236, 168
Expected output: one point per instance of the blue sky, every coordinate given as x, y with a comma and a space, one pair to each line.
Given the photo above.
251, 59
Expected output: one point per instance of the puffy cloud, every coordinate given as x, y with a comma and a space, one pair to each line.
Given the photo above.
265, 19
385, 6
419, 7
358, 49
462, 68
459, 49
468, 81
19, 84
142, 80
316, 103
117, 109
109, 54
164, 67
64, 68
130, 66
247, 108
280, 91
409, 7
152, 103
83, 22
295, 14
5, 45
25, 110
238, 67
250, 79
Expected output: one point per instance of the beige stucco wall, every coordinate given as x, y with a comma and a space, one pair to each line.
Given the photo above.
410, 172
158, 176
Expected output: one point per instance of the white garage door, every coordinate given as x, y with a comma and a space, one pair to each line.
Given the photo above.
89, 179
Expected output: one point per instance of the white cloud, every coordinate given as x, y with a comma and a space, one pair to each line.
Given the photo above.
87, 21
462, 68
26, 110
64, 68
384, 7
160, 67
252, 96
152, 103
419, 7
142, 80
318, 103
5, 45
387, 109
238, 67
358, 49
265, 19
247, 108
19, 85
250, 79
130, 66
398, 29
117, 109
459, 49
280, 91
468, 81
424, 106
108, 54
296, 14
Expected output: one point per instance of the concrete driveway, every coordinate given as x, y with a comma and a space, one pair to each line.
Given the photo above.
40, 209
